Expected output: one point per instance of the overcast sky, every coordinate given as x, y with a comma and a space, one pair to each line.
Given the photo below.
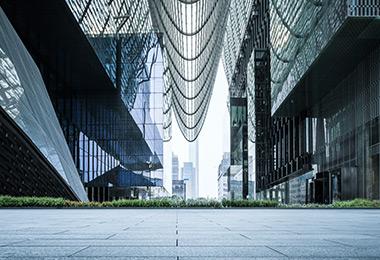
213, 139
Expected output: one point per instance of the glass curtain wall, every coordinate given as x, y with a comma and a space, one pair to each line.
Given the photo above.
339, 131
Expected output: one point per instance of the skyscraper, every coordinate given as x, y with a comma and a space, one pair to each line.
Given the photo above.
223, 169
194, 158
304, 88
188, 173
178, 184
175, 168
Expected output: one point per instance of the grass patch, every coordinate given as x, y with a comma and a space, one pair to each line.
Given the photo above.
47, 202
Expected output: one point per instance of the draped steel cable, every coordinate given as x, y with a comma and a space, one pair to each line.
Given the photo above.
193, 33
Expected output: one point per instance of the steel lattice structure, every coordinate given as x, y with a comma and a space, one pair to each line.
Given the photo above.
237, 22
115, 20
193, 32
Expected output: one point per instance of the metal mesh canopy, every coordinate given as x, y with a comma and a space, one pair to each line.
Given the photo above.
235, 30
291, 26
193, 32
104, 23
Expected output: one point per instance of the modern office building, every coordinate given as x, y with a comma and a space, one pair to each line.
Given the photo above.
188, 174
194, 158
325, 88
81, 100
175, 168
179, 189
246, 40
304, 77
178, 184
110, 73
224, 167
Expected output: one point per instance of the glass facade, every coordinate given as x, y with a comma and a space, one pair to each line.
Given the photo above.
105, 133
345, 141
312, 131
147, 110
299, 33
245, 62
238, 174
324, 148
251, 123
112, 121
121, 34
223, 169
238, 17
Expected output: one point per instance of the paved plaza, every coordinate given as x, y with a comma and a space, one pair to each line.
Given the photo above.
189, 234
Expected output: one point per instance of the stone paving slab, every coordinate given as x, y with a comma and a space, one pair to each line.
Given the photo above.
38, 251
189, 234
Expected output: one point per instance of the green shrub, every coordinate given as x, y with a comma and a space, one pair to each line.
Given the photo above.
357, 203
304, 206
240, 203
154, 203
201, 203
8, 201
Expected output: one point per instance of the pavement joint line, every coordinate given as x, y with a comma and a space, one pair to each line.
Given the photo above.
176, 231
83, 226
337, 242
245, 236
15, 243
267, 226
111, 236
61, 232
80, 250
277, 251
370, 235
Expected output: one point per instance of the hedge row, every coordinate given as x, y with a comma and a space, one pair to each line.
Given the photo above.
46, 202
357, 203
8, 201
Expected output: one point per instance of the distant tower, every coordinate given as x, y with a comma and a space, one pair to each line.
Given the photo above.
188, 173
194, 158
178, 184
175, 168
